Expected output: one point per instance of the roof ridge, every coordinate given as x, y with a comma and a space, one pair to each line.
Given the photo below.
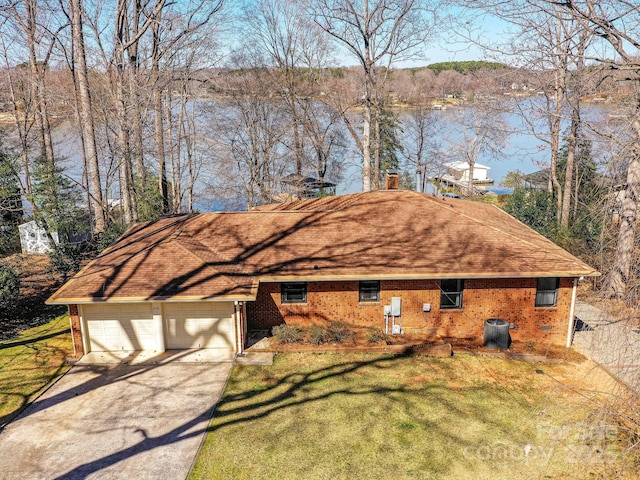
337, 202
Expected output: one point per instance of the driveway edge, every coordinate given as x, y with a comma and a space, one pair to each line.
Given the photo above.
38, 394
206, 432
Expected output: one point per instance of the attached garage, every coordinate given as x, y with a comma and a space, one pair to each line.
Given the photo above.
200, 325
125, 326
184, 325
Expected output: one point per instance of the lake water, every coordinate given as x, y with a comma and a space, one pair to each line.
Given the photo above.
521, 150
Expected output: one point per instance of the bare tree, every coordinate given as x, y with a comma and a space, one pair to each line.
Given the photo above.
29, 19
422, 152
576, 77
614, 23
327, 140
87, 127
294, 50
550, 46
249, 135
25, 14
376, 33
127, 35
482, 132
17, 89
174, 28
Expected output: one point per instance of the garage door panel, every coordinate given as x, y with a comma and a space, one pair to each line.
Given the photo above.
105, 335
192, 325
120, 327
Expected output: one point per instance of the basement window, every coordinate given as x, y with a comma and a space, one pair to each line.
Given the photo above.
293, 292
451, 293
547, 292
369, 291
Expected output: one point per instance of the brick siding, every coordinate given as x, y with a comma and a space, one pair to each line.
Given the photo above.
510, 299
76, 331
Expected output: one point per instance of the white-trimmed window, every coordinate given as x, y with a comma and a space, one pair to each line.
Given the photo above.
293, 292
369, 291
547, 292
451, 293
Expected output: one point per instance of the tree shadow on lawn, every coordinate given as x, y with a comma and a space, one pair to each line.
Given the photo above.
29, 340
264, 403
26, 388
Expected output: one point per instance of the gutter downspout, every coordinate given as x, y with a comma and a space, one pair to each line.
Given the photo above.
237, 310
572, 312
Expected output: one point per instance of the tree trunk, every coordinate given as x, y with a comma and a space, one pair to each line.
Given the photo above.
297, 141
87, 128
366, 141
157, 117
555, 132
626, 236
188, 130
127, 191
565, 215
21, 121
176, 163
572, 142
137, 147
134, 98
377, 142
576, 187
472, 163
38, 88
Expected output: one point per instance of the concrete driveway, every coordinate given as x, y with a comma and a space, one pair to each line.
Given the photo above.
114, 422
611, 342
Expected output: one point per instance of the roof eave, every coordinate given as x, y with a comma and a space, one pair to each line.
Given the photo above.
419, 276
178, 298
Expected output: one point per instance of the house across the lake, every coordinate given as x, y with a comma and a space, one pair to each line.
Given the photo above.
202, 281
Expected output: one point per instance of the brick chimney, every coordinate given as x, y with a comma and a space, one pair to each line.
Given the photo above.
392, 181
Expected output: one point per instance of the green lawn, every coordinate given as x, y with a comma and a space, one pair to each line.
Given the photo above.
335, 416
29, 362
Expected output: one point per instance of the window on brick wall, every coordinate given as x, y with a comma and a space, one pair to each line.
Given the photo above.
451, 293
547, 292
369, 291
293, 292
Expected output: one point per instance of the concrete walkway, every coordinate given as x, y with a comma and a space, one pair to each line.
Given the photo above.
609, 342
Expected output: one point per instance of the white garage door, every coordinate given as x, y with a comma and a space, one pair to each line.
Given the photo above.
120, 327
200, 325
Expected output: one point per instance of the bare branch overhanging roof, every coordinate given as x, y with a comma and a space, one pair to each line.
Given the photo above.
375, 235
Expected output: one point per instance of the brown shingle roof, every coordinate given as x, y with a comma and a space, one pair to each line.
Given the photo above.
384, 234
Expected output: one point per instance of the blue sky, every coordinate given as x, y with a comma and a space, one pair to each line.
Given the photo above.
447, 45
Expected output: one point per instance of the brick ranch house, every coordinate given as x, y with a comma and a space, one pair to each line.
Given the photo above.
203, 281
